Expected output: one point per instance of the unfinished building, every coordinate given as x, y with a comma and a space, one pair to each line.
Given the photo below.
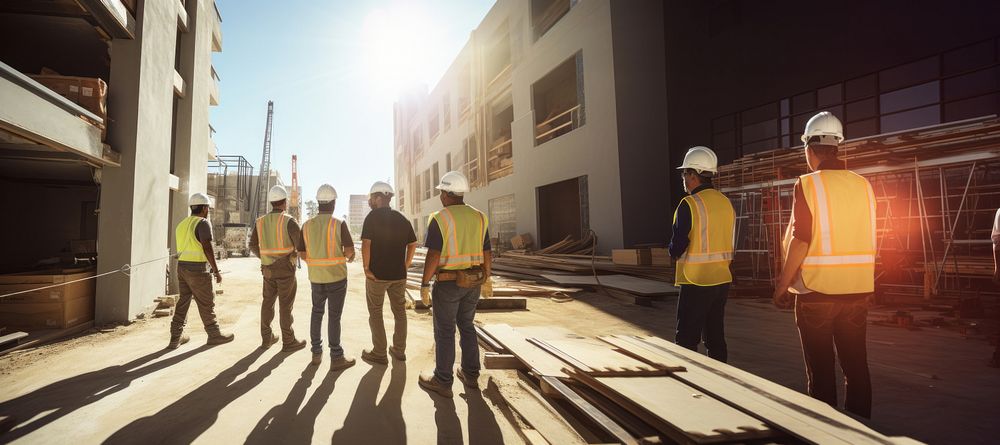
540, 111
109, 136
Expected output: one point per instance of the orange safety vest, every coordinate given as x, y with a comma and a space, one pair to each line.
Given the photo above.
272, 234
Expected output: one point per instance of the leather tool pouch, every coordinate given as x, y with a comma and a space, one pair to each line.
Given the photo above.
472, 277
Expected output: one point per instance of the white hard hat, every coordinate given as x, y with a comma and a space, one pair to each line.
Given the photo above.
381, 187
199, 199
454, 182
326, 193
826, 126
277, 193
701, 159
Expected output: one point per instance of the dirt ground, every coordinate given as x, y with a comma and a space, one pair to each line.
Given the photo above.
121, 386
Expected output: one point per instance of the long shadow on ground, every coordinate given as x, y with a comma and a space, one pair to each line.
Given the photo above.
68, 395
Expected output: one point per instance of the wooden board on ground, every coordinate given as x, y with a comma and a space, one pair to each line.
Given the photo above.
795, 413
536, 412
638, 286
540, 362
590, 411
596, 358
684, 413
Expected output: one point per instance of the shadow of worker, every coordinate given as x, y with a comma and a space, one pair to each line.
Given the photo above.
482, 421
191, 415
382, 422
68, 395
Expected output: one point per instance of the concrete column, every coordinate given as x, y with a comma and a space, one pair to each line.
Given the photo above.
133, 221
192, 134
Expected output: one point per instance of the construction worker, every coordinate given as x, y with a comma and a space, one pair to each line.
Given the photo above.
459, 260
194, 255
387, 246
326, 246
829, 269
702, 247
272, 239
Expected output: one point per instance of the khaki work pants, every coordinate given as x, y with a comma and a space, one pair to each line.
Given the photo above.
197, 286
279, 285
375, 291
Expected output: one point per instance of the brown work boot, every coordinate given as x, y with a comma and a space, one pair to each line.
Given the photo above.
177, 341
468, 381
397, 354
317, 358
268, 342
220, 338
370, 357
340, 363
294, 346
431, 383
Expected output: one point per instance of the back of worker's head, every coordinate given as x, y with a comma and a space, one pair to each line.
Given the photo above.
823, 133
199, 210
199, 204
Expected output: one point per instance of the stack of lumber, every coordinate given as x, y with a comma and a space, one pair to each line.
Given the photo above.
632, 390
570, 246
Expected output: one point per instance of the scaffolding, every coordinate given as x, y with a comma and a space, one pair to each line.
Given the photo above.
937, 189
230, 181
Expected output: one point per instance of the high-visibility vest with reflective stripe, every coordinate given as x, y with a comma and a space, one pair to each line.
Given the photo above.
188, 247
324, 251
273, 237
841, 256
463, 230
710, 250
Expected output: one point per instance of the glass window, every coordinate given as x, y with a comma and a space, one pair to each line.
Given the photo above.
968, 58
804, 102
862, 128
973, 107
912, 97
861, 109
760, 130
909, 74
761, 113
921, 117
503, 220
831, 95
972, 84
861, 87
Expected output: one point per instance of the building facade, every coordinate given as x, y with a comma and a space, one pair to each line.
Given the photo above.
357, 213
541, 112
110, 137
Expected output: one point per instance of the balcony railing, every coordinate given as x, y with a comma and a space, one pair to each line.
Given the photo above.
557, 125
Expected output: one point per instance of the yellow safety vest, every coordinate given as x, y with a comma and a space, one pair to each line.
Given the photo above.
841, 256
324, 251
706, 260
272, 234
463, 230
188, 247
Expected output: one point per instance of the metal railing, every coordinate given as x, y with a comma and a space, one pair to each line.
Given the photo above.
567, 119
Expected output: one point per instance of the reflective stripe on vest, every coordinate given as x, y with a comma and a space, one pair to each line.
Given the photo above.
841, 255
188, 247
273, 238
324, 249
706, 260
463, 230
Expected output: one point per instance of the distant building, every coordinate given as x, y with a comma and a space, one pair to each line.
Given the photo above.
358, 212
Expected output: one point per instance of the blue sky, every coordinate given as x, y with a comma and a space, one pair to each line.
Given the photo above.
332, 69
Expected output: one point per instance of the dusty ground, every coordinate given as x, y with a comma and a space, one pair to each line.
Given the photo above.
122, 386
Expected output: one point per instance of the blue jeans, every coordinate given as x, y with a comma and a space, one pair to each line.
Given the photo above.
333, 295
701, 312
453, 306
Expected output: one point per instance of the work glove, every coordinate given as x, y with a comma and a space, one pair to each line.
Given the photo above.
486, 291
425, 295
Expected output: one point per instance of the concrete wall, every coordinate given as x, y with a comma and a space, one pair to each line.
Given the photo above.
591, 150
730, 55
134, 221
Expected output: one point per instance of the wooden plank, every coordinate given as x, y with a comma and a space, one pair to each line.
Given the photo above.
638, 286
539, 414
684, 413
489, 341
589, 410
492, 360
9, 338
636, 426
644, 354
540, 362
597, 359
791, 411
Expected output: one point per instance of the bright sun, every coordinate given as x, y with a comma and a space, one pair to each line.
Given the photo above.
398, 44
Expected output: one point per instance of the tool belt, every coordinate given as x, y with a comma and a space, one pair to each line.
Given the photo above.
465, 278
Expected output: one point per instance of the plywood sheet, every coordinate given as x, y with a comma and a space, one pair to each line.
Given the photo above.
597, 358
541, 362
635, 285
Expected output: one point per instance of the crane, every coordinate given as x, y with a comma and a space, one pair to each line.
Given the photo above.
294, 207
265, 166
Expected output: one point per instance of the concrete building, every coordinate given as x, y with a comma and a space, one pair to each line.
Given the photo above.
119, 175
553, 109
357, 213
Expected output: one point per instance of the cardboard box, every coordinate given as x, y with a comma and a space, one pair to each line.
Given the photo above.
57, 307
660, 256
88, 92
631, 257
522, 241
